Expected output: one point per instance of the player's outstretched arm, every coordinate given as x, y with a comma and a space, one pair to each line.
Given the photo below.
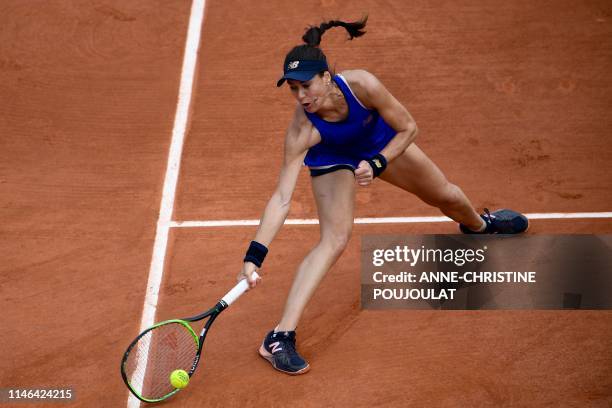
300, 136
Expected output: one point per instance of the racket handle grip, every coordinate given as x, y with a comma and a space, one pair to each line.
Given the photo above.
237, 290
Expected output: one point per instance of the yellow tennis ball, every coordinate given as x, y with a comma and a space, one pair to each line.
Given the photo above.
179, 379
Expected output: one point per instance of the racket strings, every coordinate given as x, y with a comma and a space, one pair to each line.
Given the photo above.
156, 355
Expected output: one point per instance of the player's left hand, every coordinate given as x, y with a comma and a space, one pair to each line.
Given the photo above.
364, 174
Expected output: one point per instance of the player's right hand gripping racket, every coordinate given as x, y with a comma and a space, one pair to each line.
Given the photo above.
167, 346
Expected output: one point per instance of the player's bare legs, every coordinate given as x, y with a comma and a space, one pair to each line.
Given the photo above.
335, 197
413, 171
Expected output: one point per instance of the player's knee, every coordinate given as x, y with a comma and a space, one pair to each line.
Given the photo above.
450, 196
337, 241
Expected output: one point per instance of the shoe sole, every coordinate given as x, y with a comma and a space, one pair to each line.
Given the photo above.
270, 358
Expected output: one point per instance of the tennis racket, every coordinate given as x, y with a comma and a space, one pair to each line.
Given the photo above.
167, 346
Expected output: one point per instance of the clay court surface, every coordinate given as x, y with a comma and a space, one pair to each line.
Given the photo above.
513, 103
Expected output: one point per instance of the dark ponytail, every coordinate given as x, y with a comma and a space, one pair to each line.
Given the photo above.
311, 51
312, 38
313, 35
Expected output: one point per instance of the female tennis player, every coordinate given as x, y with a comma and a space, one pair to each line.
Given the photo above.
348, 129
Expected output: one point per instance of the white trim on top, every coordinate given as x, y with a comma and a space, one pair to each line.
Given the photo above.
352, 93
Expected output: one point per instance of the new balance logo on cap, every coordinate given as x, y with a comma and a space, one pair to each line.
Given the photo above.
293, 64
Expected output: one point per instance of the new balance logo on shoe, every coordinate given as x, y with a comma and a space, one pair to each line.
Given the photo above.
275, 347
279, 350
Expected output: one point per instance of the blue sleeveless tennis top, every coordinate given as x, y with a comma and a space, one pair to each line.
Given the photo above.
360, 136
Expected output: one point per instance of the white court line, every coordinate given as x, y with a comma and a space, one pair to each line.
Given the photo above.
383, 220
156, 269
